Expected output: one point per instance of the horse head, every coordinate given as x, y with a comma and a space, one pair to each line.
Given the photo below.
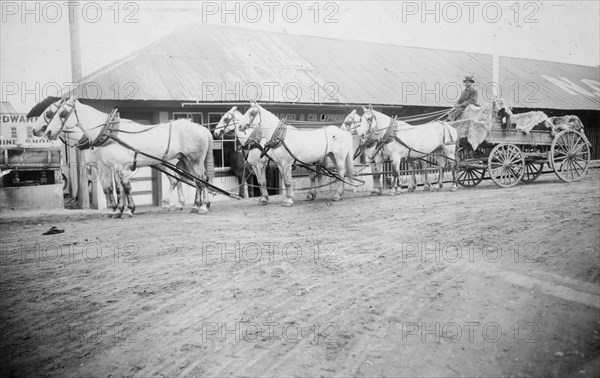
252, 117
228, 122
41, 125
368, 121
351, 122
64, 117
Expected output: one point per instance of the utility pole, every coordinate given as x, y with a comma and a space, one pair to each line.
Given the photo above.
83, 197
496, 75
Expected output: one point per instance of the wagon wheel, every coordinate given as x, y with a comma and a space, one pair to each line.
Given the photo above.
468, 176
506, 165
533, 170
570, 155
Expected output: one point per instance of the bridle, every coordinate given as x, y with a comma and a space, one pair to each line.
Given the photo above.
351, 128
65, 114
250, 124
371, 132
231, 120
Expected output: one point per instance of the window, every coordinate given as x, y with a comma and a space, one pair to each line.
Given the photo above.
194, 117
13, 133
224, 146
30, 132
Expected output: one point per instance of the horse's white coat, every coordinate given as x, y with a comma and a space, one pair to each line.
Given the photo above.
186, 139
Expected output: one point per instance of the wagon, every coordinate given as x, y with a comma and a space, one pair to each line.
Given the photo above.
510, 156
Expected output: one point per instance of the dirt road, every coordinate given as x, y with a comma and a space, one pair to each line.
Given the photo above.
484, 281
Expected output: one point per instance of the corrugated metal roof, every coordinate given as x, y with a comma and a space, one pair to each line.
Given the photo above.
7, 108
222, 64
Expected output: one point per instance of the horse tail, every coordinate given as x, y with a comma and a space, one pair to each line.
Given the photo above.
209, 161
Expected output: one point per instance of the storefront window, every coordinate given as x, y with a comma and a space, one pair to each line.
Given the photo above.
224, 146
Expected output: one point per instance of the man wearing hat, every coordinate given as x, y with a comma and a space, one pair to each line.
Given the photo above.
467, 97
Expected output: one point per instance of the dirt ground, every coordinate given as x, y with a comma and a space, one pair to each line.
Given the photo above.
485, 281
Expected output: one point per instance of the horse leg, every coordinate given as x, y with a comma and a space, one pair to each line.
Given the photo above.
106, 180
260, 171
413, 175
341, 165
441, 164
180, 196
286, 171
377, 190
312, 192
451, 153
118, 211
241, 189
126, 184
166, 201
427, 185
200, 207
396, 177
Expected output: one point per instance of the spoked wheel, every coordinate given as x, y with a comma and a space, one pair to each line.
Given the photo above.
533, 170
570, 154
506, 165
468, 175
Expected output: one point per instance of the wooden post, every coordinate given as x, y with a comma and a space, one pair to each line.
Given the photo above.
496, 75
83, 196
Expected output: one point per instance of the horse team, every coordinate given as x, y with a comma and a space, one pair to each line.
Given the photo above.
260, 132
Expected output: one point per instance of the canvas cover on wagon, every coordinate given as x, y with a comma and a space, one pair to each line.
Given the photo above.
479, 124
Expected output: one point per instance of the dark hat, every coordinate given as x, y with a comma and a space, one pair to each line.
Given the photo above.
469, 78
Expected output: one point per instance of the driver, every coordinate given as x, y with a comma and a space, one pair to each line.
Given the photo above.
467, 97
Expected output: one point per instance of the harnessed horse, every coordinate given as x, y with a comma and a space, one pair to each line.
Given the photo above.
116, 143
288, 146
399, 140
249, 142
367, 148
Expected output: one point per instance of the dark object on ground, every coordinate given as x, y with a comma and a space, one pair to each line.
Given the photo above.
53, 230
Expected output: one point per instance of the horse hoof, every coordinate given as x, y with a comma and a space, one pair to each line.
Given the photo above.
453, 189
375, 193
310, 197
199, 210
412, 189
107, 216
391, 193
128, 214
288, 203
263, 202
337, 198
117, 215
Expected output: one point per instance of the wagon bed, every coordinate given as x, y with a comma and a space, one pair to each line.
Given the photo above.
510, 156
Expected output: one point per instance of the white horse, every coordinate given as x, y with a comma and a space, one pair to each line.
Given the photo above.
411, 142
367, 147
307, 147
130, 144
230, 122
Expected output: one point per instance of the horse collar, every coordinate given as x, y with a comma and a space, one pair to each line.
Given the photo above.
109, 131
253, 140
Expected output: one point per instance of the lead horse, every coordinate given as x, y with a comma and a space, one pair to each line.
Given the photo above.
399, 140
288, 146
123, 144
